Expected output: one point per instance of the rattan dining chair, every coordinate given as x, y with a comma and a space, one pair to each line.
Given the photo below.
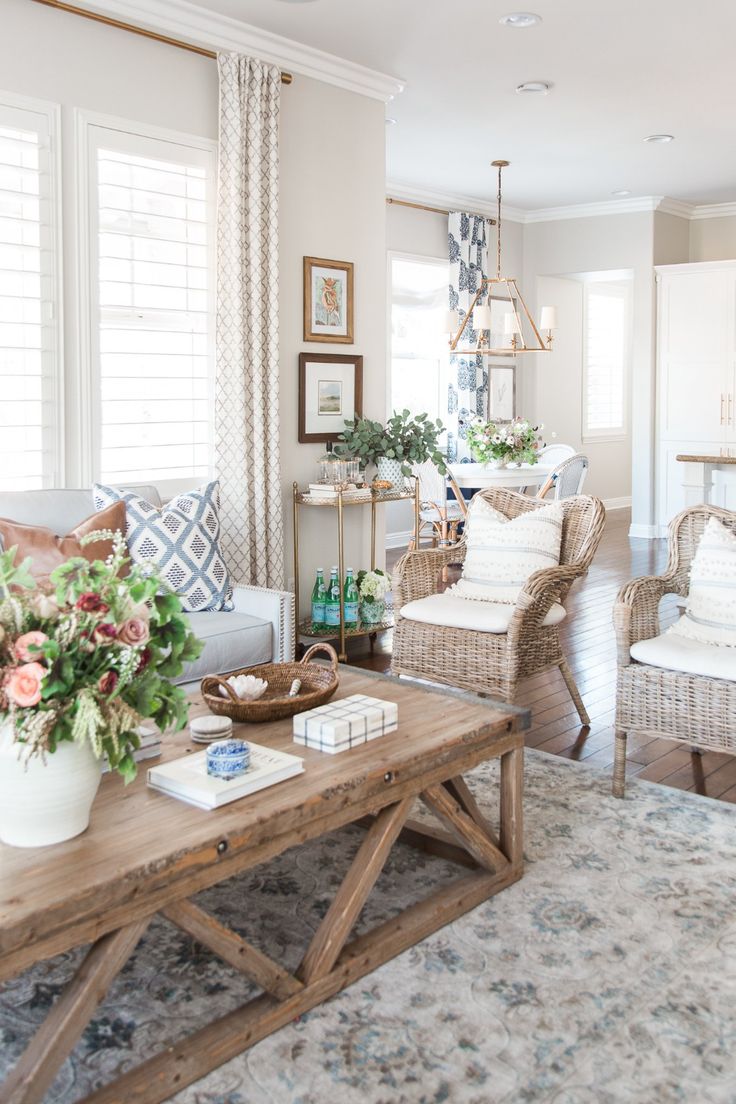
495, 660
694, 709
567, 479
443, 515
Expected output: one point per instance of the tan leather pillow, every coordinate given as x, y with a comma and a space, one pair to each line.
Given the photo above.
47, 551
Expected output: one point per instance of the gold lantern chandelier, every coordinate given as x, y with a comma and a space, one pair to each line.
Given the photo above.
517, 323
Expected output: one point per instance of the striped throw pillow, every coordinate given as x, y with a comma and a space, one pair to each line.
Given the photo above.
710, 613
502, 553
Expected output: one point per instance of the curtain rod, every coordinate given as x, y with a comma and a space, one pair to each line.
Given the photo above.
286, 78
424, 207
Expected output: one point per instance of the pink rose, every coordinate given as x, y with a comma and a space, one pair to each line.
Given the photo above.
134, 631
107, 682
23, 684
21, 649
105, 633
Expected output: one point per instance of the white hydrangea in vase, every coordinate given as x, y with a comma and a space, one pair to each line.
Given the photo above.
373, 586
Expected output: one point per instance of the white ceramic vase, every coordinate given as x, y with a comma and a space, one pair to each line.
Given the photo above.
45, 802
391, 471
496, 463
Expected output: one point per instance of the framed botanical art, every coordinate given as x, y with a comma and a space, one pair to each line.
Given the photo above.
502, 393
330, 393
328, 300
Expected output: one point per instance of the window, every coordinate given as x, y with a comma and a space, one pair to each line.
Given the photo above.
606, 356
152, 207
29, 429
419, 347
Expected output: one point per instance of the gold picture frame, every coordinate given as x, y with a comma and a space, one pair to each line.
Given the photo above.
328, 301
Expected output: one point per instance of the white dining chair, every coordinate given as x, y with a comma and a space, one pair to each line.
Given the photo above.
442, 515
567, 478
555, 454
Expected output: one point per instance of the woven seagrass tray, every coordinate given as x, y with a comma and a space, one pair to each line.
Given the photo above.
319, 683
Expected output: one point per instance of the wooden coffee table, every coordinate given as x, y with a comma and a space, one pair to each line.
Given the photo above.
146, 853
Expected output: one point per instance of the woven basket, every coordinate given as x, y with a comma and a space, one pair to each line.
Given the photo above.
319, 683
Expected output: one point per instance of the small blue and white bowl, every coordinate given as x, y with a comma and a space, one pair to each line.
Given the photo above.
228, 759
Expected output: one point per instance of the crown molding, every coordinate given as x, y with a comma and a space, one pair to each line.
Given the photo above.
202, 27
714, 210
453, 201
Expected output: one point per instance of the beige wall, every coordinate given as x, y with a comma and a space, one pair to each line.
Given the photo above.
332, 197
712, 239
594, 245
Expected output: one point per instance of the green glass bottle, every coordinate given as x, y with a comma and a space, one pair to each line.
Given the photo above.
319, 593
350, 600
332, 602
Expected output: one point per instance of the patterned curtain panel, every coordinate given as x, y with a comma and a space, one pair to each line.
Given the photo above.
247, 378
467, 393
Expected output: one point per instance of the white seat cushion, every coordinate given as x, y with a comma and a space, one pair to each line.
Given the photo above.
503, 552
710, 612
692, 657
454, 612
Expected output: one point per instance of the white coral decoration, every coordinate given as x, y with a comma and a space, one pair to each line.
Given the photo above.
247, 687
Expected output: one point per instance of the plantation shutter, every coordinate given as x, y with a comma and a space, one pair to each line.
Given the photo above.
154, 307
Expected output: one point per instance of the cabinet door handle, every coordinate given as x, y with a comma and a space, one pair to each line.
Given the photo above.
730, 401
723, 403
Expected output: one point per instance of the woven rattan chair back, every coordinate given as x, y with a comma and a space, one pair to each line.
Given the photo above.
685, 531
432, 485
569, 476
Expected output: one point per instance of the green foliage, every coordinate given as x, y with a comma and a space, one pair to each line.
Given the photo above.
412, 440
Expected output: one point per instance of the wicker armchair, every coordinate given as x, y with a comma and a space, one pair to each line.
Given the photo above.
495, 662
656, 701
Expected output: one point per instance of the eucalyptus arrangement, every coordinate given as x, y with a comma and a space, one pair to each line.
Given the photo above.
405, 439
88, 661
517, 441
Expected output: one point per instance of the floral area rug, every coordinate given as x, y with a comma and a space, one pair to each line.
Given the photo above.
608, 973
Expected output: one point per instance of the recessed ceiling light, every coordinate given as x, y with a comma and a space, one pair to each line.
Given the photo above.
390, 121
538, 88
520, 19
660, 138
621, 192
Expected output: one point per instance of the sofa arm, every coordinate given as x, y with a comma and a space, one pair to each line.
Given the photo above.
276, 606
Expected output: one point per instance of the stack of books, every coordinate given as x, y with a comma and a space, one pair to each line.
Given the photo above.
331, 490
187, 778
345, 724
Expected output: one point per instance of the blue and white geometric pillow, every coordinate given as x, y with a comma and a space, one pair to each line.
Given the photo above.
182, 539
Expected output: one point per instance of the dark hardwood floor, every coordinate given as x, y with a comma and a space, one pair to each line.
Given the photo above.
590, 648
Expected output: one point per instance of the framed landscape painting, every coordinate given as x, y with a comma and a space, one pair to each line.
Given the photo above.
330, 393
328, 300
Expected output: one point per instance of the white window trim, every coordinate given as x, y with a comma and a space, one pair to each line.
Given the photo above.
52, 113
417, 258
87, 433
607, 436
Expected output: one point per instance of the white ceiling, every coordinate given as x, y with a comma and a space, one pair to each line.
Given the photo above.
621, 69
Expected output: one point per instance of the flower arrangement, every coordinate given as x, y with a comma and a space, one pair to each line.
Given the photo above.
373, 586
517, 441
89, 660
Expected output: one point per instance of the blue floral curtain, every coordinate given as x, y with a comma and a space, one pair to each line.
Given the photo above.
467, 392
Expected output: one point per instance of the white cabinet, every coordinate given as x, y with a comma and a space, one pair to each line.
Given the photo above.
696, 376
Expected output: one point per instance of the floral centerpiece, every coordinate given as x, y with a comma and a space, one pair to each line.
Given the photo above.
503, 443
81, 666
373, 586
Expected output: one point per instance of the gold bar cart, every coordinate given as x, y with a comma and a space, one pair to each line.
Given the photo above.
371, 498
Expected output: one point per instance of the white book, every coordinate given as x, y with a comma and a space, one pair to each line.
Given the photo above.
187, 778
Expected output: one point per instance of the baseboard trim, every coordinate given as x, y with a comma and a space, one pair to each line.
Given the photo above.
622, 503
399, 540
648, 532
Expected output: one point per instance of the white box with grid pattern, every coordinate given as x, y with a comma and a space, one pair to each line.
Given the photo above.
345, 724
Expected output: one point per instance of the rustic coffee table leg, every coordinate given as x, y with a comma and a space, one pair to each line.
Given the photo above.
512, 819
58, 1034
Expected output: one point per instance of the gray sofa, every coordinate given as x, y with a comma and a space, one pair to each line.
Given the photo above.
261, 628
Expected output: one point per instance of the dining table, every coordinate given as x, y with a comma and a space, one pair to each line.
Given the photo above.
480, 476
